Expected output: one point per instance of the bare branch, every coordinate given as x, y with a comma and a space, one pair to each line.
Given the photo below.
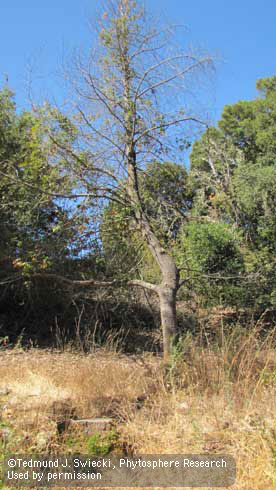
71, 282
11, 279
166, 125
59, 194
173, 77
101, 96
100, 133
144, 284
152, 68
76, 157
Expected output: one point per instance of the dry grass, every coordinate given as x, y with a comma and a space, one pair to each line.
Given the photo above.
217, 398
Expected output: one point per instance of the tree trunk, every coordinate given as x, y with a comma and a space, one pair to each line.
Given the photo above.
170, 275
167, 297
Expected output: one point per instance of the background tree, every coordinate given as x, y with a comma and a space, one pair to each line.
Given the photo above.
38, 231
36, 228
210, 255
234, 170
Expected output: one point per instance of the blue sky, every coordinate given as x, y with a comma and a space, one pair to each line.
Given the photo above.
241, 34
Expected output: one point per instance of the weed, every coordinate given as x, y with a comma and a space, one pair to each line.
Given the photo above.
100, 444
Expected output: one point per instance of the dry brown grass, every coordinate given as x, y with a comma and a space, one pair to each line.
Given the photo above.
216, 399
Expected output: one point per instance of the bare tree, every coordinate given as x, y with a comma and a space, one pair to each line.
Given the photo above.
127, 92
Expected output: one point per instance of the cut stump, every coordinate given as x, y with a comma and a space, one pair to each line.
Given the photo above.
90, 426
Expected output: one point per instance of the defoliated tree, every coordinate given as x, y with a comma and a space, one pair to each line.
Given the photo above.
128, 115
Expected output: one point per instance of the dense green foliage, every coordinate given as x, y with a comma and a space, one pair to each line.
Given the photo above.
233, 168
35, 228
212, 262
